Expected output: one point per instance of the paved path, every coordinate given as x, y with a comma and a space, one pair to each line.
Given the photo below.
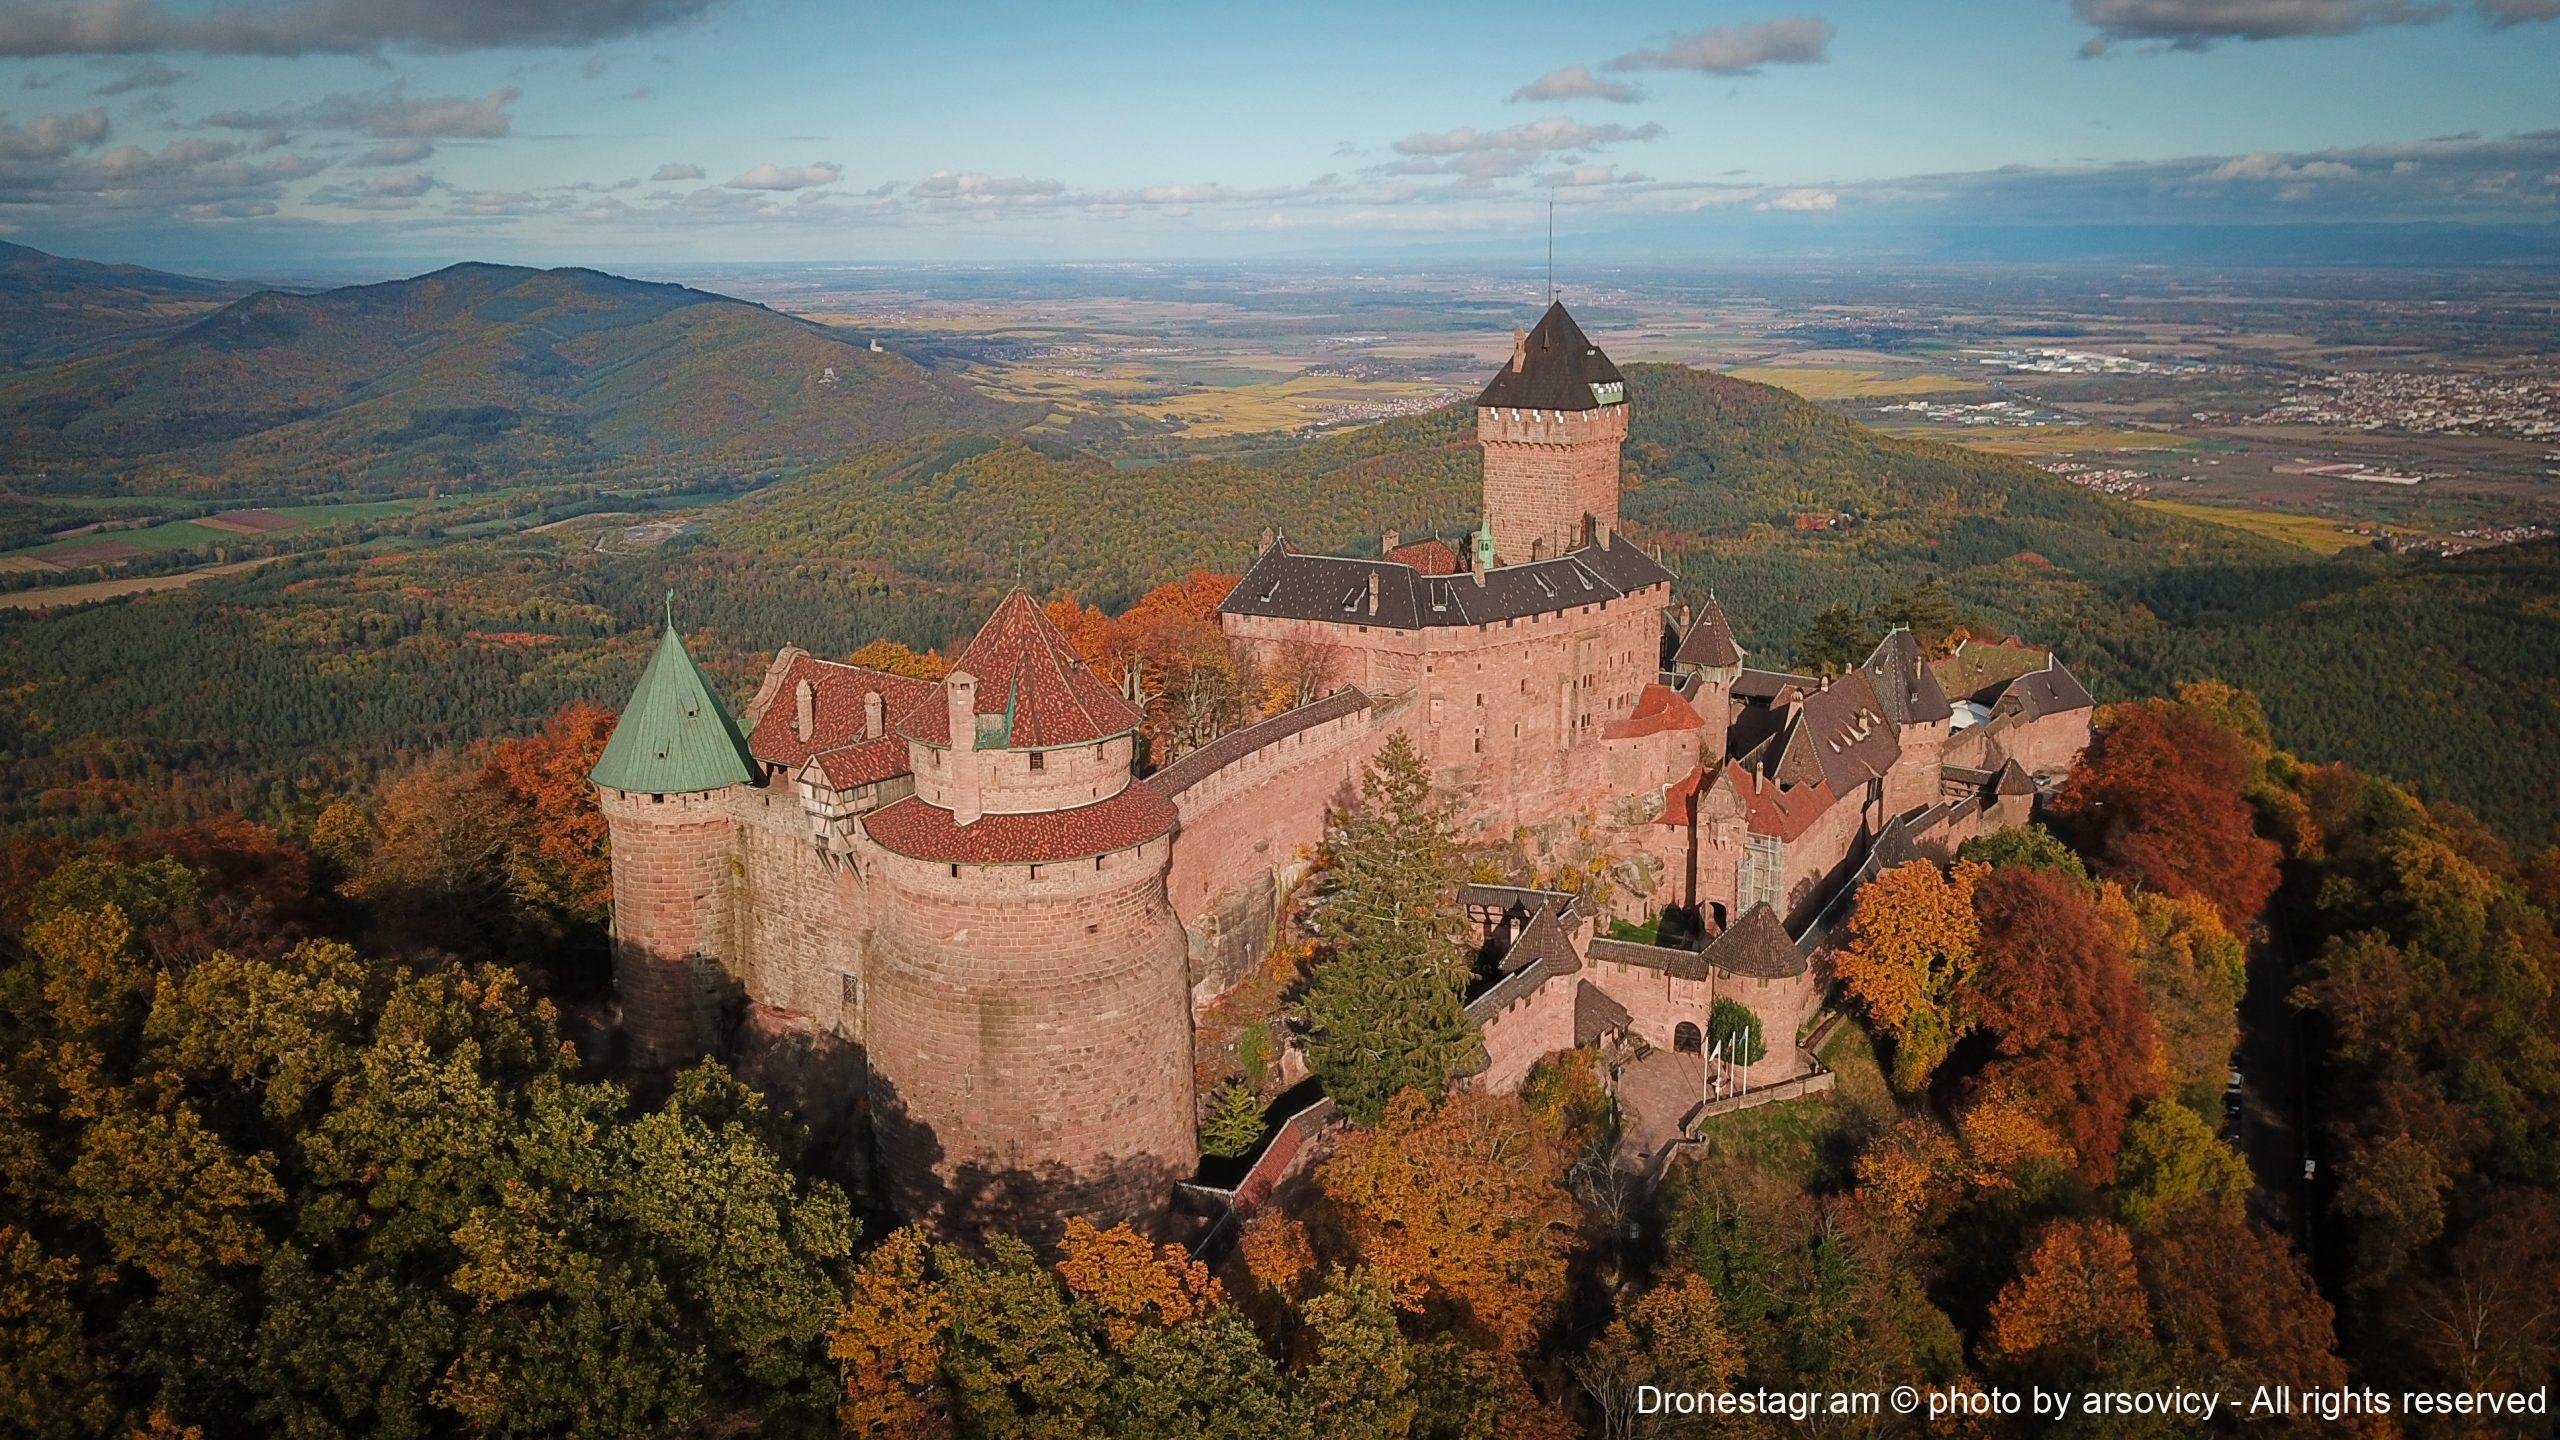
1654, 1093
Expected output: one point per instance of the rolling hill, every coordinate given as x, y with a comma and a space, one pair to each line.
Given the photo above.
53, 307
330, 670
474, 375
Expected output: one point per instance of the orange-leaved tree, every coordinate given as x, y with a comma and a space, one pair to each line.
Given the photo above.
1461, 1208
2075, 1038
1910, 959
2161, 800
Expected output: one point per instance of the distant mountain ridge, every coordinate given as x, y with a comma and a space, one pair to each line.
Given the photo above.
53, 307
475, 374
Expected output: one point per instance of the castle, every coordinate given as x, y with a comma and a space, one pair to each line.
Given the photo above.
969, 889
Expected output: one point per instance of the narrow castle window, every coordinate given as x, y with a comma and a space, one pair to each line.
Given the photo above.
1039, 760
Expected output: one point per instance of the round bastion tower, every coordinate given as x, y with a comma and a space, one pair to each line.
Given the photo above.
1028, 1019
661, 783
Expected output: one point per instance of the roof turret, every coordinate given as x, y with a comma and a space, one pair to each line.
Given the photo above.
674, 737
1555, 367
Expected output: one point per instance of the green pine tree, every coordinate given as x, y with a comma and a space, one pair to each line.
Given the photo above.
1385, 1009
1234, 1125
1837, 640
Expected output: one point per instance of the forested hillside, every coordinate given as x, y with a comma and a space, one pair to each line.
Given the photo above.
472, 375
322, 672
52, 307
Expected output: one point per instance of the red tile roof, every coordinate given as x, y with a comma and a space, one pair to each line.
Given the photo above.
839, 692
1658, 708
1427, 557
1126, 820
1680, 802
1786, 811
1027, 670
864, 762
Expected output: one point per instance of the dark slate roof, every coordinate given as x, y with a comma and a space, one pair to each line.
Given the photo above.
1595, 1015
1554, 367
2013, 781
1840, 736
1709, 641
1756, 947
1235, 745
1678, 964
2038, 693
1903, 683
1544, 939
1769, 684
1294, 586
1520, 897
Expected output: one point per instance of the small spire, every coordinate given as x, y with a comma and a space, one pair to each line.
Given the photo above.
671, 607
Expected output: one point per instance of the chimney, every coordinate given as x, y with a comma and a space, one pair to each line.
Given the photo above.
804, 711
1373, 592
875, 715
960, 690
1684, 620
1481, 557
1519, 349
1388, 542
1270, 538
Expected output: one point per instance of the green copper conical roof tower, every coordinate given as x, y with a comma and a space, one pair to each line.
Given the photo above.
674, 737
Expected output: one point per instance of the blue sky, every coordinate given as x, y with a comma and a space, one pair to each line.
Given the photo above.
240, 137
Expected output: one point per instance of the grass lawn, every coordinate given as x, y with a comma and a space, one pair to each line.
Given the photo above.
1813, 1142
187, 534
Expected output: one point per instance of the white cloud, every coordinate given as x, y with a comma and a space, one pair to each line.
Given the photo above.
788, 177
673, 171
1739, 49
146, 77
1538, 137
389, 114
1802, 201
316, 27
50, 137
2197, 24
1576, 82
397, 152
976, 188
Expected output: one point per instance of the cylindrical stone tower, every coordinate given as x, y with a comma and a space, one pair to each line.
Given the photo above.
663, 783
1029, 1018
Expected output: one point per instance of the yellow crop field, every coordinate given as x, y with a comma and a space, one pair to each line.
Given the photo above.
1827, 382
2046, 439
2311, 532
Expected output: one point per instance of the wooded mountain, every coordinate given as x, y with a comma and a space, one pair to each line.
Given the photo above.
330, 670
53, 307
472, 375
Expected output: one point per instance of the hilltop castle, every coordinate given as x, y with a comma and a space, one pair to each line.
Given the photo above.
969, 889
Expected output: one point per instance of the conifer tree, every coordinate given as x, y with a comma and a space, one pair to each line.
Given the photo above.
1234, 1125
1385, 1009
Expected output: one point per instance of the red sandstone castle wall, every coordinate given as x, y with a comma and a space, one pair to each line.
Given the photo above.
1544, 470
1657, 1004
1247, 832
1525, 1032
1029, 1036
671, 873
799, 918
1510, 712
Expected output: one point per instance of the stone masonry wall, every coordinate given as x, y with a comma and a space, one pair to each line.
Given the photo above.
1029, 1036
1544, 470
672, 857
1246, 834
